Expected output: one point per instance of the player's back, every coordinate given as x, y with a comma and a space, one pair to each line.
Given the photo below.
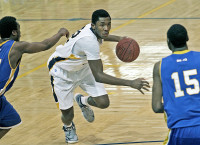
7, 73
180, 76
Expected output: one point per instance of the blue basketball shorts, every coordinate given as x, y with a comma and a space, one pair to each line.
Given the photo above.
8, 115
184, 136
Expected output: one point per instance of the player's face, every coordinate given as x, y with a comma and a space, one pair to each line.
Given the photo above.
102, 27
16, 34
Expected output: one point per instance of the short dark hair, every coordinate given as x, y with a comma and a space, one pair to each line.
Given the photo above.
99, 13
7, 25
177, 35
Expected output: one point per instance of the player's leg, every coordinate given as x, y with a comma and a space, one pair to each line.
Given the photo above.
3, 132
84, 103
63, 94
67, 116
9, 117
69, 127
99, 102
63, 84
98, 96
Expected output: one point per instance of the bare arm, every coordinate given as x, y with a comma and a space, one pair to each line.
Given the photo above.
35, 47
97, 70
113, 38
22, 47
157, 104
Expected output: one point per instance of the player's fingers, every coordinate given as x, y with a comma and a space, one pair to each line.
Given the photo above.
146, 85
141, 91
145, 88
145, 82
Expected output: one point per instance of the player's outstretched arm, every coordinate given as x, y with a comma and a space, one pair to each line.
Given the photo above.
157, 104
114, 38
25, 47
97, 70
35, 47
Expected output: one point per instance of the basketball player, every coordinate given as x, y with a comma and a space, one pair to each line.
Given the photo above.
78, 63
11, 51
176, 80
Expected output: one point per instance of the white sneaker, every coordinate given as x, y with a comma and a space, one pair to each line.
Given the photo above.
70, 134
86, 110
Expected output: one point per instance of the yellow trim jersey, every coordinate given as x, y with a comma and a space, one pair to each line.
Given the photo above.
180, 76
7, 73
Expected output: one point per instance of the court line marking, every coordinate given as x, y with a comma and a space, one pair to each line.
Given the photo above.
112, 30
132, 142
83, 19
143, 15
32, 70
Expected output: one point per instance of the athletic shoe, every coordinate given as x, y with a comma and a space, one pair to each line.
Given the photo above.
70, 134
86, 110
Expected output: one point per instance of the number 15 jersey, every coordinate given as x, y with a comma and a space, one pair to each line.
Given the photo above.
180, 76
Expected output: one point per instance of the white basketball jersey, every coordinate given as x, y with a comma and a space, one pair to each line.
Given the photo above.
64, 58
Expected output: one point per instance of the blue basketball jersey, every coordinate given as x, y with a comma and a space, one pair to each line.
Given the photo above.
180, 76
7, 73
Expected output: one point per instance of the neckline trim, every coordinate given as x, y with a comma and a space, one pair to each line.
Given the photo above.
181, 52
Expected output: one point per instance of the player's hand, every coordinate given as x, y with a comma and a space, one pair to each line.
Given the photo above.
140, 84
64, 32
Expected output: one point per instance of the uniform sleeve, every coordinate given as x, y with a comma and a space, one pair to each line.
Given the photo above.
90, 46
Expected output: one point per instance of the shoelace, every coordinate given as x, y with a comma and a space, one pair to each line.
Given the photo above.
69, 130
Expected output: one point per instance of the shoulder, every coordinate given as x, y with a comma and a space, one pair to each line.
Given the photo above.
21, 43
157, 64
195, 52
20, 46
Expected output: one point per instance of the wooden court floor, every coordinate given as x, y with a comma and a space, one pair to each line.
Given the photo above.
129, 119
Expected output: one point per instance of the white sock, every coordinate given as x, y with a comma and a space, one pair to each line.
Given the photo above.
84, 100
68, 125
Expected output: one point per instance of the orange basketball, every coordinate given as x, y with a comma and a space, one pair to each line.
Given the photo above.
127, 50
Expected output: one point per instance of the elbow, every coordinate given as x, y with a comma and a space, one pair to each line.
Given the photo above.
158, 108
98, 78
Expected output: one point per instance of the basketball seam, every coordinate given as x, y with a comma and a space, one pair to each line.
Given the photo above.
127, 49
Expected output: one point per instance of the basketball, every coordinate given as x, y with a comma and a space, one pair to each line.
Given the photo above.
127, 50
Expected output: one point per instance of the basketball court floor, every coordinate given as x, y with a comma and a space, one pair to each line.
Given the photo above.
129, 119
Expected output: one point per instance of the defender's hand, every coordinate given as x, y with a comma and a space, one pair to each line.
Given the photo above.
64, 32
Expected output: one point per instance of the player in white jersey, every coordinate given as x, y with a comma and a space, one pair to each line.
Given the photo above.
78, 63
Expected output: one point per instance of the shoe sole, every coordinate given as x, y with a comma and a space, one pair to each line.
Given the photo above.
71, 141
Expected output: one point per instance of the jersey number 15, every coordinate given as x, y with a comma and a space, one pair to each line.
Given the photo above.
188, 81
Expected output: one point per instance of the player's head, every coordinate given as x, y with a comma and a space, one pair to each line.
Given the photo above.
9, 28
177, 36
101, 23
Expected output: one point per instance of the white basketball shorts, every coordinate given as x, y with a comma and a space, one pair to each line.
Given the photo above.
64, 83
